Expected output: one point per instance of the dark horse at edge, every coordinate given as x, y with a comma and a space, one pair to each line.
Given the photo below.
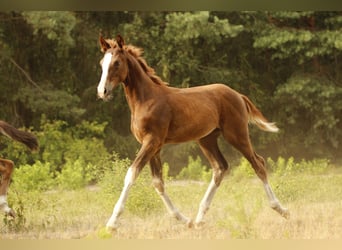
7, 166
161, 114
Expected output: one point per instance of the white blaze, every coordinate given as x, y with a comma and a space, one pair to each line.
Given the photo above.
105, 67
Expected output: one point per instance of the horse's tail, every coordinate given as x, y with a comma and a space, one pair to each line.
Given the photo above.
21, 136
257, 118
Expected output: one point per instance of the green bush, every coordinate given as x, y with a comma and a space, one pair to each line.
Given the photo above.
195, 171
60, 142
244, 169
283, 167
33, 178
74, 175
111, 178
143, 199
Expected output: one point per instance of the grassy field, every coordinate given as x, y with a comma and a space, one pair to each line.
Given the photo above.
239, 211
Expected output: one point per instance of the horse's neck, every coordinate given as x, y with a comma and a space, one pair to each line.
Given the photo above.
138, 86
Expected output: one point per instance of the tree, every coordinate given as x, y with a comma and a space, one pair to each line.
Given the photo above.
287, 62
309, 93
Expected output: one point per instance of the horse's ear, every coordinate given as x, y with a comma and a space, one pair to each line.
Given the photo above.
104, 45
120, 41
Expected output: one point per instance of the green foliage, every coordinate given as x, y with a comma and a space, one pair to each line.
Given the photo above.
195, 170
36, 177
243, 169
283, 36
69, 157
49, 66
283, 167
54, 142
286, 43
199, 24
143, 199
313, 106
74, 175
17, 152
54, 104
59, 143
55, 25
111, 179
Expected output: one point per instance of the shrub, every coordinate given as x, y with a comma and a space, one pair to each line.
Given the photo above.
143, 199
30, 178
74, 175
60, 143
111, 178
195, 170
91, 152
283, 167
54, 140
244, 169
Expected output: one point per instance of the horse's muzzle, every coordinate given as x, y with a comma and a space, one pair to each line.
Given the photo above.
105, 95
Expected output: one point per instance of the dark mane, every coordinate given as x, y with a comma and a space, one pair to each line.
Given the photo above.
137, 53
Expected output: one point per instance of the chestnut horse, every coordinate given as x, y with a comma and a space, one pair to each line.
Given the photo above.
162, 114
6, 166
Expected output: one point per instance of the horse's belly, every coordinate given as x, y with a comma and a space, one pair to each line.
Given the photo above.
189, 132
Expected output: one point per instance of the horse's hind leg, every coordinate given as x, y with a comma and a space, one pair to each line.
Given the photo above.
158, 183
240, 140
6, 169
219, 165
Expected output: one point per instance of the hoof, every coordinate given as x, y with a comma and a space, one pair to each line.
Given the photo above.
199, 224
190, 223
111, 229
11, 213
285, 213
108, 232
8, 211
282, 211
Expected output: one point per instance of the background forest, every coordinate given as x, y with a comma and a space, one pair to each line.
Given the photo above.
288, 63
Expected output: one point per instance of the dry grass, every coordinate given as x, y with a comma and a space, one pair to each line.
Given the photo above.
239, 211
308, 221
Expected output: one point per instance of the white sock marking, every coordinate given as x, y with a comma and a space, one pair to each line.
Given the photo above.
206, 201
120, 204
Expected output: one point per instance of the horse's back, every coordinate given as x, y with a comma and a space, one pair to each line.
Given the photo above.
197, 111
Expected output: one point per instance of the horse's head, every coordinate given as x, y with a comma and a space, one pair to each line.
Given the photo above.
114, 66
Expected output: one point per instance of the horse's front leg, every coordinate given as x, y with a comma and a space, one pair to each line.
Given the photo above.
6, 169
148, 149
